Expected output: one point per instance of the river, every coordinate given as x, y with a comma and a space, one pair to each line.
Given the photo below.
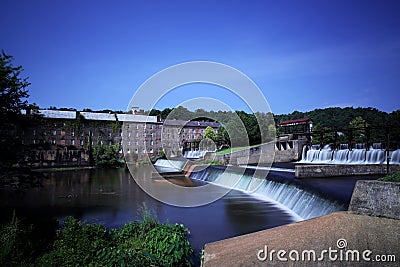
113, 198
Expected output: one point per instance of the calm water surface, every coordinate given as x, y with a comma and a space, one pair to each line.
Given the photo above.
113, 198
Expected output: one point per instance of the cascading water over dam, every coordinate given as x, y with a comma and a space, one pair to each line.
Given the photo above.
195, 154
302, 204
313, 154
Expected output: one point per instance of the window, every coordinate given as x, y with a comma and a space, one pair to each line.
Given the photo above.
109, 143
136, 151
144, 151
34, 132
53, 141
144, 134
34, 141
129, 143
137, 134
109, 134
144, 143
151, 150
152, 135
129, 134
137, 143
72, 142
81, 142
151, 142
53, 132
137, 126
128, 151
72, 133
101, 142
82, 134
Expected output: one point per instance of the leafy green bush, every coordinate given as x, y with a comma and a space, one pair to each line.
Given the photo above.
144, 243
394, 177
107, 156
80, 244
15, 248
170, 245
77, 244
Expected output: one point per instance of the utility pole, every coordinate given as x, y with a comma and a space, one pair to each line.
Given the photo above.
387, 150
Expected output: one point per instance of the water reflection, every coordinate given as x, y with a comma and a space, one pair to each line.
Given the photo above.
113, 198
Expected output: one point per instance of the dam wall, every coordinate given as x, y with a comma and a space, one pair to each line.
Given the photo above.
325, 170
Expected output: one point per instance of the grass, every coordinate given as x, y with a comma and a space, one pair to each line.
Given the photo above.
236, 149
394, 177
62, 169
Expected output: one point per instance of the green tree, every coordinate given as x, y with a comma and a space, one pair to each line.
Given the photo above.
13, 93
358, 125
209, 133
221, 136
107, 156
13, 99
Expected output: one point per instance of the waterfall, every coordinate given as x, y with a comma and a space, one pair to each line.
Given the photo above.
195, 154
302, 204
359, 155
395, 157
176, 165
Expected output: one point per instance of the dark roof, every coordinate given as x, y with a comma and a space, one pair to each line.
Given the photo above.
295, 122
202, 124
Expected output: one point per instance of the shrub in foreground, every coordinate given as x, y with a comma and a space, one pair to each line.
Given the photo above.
148, 243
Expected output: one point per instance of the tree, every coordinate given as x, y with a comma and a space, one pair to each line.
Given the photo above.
13, 93
209, 133
13, 99
358, 125
107, 156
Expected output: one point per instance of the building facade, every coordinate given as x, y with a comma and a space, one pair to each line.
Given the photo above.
139, 136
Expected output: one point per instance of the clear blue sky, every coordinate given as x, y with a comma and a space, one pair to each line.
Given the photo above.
302, 54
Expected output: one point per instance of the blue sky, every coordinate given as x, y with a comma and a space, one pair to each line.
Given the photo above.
302, 54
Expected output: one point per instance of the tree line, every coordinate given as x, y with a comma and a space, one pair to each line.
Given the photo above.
238, 128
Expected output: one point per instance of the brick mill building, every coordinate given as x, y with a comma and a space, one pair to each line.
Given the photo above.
60, 136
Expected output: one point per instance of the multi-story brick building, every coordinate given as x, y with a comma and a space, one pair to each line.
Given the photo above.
139, 135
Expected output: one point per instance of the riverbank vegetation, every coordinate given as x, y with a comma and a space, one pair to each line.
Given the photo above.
107, 156
144, 243
394, 177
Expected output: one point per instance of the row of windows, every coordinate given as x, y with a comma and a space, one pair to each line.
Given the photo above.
137, 143
138, 134
62, 133
139, 126
190, 130
71, 142
144, 151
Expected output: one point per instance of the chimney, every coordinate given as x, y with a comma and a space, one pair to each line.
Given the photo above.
134, 110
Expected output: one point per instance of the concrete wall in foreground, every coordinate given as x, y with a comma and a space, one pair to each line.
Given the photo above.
313, 171
376, 198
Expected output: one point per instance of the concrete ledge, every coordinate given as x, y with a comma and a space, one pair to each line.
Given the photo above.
325, 170
376, 198
360, 232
